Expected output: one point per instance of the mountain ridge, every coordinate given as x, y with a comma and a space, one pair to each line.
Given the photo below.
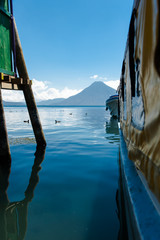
94, 95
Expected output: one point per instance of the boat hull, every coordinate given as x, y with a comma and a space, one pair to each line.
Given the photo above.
141, 207
112, 105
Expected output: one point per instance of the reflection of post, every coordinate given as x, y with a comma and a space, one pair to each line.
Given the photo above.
34, 178
4, 143
28, 94
13, 216
5, 164
22, 208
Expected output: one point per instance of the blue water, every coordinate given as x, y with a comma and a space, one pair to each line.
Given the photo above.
72, 192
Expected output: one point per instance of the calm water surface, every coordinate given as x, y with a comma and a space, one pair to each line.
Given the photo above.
67, 192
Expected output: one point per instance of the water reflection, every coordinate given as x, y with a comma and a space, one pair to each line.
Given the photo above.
13, 215
81, 203
123, 233
112, 130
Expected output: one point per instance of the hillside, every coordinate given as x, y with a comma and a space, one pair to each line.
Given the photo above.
94, 95
15, 104
51, 102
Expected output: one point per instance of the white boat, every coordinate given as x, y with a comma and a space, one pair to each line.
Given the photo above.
112, 105
139, 100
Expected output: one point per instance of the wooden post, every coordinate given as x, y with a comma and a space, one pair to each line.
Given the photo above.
28, 94
4, 143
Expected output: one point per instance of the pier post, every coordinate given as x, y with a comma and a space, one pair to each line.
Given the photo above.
4, 143
28, 94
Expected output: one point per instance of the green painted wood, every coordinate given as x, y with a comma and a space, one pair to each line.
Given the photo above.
4, 11
6, 72
4, 4
5, 38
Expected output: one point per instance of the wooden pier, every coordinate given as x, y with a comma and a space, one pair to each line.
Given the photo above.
10, 81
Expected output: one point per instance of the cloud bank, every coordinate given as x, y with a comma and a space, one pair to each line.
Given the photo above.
96, 76
41, 92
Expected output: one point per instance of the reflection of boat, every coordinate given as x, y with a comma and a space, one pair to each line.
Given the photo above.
112, 126
13, 215
112, 130
139, 95
112, 105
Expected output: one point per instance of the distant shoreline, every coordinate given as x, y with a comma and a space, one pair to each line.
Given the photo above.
93, 96
56, 106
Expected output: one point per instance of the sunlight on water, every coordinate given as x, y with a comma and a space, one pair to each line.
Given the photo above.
69, 191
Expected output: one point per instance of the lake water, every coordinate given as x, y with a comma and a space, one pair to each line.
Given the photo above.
67, 192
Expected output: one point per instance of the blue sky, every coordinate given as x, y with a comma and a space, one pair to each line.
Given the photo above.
66, 42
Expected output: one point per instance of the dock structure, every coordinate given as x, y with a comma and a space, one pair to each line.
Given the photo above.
11, 62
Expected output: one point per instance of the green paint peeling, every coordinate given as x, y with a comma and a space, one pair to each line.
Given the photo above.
5, 38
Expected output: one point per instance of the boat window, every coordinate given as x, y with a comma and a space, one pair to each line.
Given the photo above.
125, 103
157, 50
131, 51
137, 70
122, 92
122, 79
138, 114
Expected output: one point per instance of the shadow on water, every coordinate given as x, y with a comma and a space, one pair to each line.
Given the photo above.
13, 215
104, 221
102, 226
123, 233
112, 131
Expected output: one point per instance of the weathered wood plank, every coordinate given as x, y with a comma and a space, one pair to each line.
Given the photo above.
14, 80
7, 78
10, 86
17, 80
27, 81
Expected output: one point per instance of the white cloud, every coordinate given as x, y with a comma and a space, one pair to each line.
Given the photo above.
97, 76
94, 77
12, 96
114, 83
41, 92
103, 78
